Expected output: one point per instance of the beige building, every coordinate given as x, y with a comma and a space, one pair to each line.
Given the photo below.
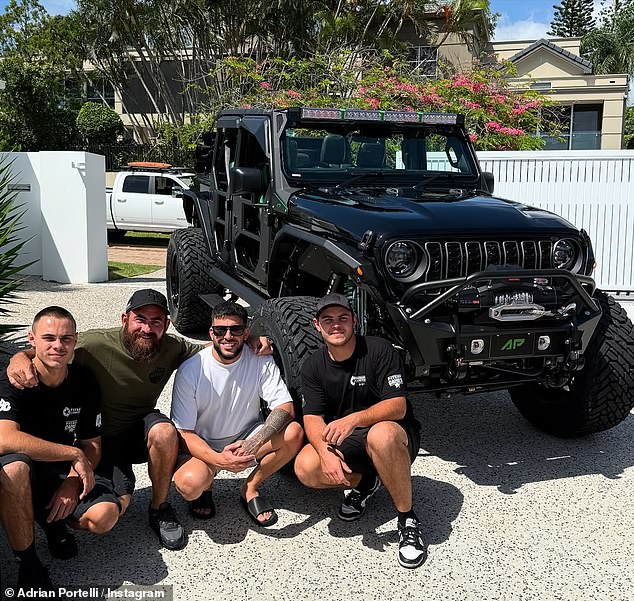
590, 107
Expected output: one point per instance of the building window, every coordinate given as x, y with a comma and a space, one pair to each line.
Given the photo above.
580, 127
424, 59
101, 91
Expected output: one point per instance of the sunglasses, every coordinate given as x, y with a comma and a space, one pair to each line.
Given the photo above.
220, 331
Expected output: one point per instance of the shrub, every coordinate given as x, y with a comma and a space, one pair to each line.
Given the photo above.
9, 246
98, 123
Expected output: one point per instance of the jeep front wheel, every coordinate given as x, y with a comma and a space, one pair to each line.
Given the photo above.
600, 395
187, 276
288, 322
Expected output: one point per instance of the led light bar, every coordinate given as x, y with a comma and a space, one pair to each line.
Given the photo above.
401, 116
362, 115
439, 118
331, 114
388, 116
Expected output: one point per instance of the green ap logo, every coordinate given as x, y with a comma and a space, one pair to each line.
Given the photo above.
512, 344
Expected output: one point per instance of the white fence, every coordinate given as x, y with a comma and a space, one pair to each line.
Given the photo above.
594, 190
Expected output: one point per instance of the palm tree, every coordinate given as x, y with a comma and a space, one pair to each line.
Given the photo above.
611, 49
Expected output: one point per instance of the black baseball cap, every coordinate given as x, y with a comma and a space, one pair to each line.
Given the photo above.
332, 300
147, 296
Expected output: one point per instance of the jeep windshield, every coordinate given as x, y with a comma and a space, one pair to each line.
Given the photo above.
354, 153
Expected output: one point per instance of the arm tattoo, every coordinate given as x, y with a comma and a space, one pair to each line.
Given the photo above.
277, 420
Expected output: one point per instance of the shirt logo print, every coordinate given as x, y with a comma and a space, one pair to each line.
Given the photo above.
70, 426
68, 411
4, 405
395, 381
357, 380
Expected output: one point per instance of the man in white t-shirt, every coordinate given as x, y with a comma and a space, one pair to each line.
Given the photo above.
216, 409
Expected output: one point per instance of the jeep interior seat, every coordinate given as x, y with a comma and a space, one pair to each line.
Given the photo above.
296, 158
371, 154
334, 151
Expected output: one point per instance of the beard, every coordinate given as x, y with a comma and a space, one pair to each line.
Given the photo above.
224, 354
141, 347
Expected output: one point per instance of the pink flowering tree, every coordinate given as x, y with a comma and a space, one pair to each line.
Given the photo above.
498, 116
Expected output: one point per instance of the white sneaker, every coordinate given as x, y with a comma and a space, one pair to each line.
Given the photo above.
411, 546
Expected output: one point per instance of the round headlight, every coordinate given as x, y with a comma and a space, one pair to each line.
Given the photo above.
564, 254
401, 259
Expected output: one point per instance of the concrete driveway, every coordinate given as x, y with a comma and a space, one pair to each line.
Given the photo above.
509, 513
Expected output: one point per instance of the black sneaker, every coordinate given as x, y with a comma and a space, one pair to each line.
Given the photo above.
353, 506
166, 525
411, 547
61, 543
32, 575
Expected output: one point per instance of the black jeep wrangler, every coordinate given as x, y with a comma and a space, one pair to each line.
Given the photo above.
391, 209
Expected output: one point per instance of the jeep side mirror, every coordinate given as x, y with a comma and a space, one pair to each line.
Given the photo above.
489, 181
177, 193
246, 180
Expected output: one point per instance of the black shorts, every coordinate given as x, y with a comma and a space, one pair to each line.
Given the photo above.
13, 457
46, 476
121, 451
356, 456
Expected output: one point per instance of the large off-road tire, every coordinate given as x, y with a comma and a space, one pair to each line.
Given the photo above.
601, 395
288, 322
187, 276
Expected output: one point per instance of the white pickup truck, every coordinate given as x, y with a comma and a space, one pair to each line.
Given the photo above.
148, 197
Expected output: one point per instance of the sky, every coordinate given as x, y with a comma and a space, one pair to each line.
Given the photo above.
519, 19
525, 19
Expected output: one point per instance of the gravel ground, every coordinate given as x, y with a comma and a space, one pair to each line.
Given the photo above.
509, 512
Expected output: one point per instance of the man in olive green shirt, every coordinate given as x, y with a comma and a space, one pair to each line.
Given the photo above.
132, 365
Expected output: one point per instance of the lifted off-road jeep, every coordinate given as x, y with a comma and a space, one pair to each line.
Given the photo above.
392, 210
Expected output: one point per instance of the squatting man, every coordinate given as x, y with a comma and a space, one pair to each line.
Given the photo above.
216, 408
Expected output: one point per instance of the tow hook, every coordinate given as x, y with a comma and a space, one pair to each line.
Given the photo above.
457, 367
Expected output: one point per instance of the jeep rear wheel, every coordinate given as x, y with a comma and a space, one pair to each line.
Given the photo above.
288, 322
187, 276
600, 396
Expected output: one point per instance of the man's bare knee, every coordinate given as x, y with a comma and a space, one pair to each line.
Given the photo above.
100, 518
15, 477
191, 484
294, 436
162, 436
384, 436
308, 468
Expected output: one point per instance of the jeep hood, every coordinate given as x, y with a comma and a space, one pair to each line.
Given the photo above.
353, 213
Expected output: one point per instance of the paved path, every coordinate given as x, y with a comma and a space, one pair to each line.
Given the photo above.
509, 513
135, 254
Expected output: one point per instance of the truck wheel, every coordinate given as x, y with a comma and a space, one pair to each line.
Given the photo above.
600, 396
187, 276
288, 322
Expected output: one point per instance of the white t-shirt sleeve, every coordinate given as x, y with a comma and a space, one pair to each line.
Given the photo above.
272, 387
184, 411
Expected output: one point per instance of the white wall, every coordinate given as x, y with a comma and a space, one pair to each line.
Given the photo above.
64, 217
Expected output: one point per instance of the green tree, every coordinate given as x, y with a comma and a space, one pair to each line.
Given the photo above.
610, 49
572, 19
610, 9
498, 116
98, 123
36, 58
171, 47
32, 112
628, 128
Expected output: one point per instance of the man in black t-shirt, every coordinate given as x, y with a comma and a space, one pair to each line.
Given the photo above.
360, 426
49, 446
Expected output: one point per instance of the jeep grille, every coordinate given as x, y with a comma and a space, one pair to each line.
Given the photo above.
446, 260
